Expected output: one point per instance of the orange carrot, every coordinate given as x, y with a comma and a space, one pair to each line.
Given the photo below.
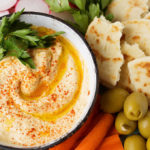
93, 123
71, 142
90, 127
111, 143
97, 134
112, 131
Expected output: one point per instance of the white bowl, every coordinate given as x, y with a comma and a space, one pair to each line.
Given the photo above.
40, 19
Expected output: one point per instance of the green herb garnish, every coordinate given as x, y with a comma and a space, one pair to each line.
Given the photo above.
85, 12
17, 38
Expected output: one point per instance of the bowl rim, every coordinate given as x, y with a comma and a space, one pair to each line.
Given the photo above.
44, 147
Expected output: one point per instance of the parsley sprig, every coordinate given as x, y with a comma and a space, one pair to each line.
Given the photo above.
85, 12
17, 38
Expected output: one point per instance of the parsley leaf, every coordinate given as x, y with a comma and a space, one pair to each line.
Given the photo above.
3, 29
94, 11
45, 40
110, 17
28, 61
86, 12
27, 34
17, 38
14, 47
79, 3
2, 50
104, 3
25, 54
59, 5
82, 20
52, 35
18, 25
15, 16
22, 32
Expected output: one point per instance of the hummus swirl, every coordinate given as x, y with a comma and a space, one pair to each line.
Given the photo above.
40, 105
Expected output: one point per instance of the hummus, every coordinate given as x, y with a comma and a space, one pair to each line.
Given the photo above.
38, 106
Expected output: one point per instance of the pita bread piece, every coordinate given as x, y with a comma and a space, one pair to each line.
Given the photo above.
128, 9
138, 31
104, 39
139, 71
147, 16
130, 53
149, 4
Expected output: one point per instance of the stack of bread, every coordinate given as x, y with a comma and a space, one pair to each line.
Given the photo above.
122, 47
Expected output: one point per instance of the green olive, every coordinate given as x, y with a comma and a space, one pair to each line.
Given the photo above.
135, 106
148, 144
112, 101
123, 125
144, 125
135, 142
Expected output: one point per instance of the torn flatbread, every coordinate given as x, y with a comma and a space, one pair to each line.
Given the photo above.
139, 71
147, 16
138, 31
124, 10
149, 4
130, 52
104, 39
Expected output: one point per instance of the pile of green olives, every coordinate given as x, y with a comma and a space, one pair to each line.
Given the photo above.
132, 112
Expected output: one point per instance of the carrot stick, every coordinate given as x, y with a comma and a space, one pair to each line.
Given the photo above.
111, 143
93, 123
112, 131
71, 142
97, 134
90, 127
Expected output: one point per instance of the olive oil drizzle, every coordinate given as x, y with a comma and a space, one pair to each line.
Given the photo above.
67, 107
45, 89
